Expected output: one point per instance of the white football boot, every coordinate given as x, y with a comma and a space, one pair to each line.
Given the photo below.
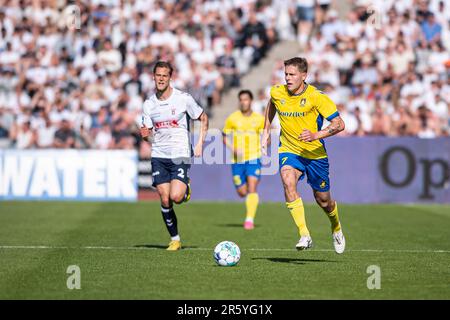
304, 243
339, 242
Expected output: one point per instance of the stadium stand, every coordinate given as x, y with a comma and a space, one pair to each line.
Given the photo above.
85, 86
69, 87
386, 66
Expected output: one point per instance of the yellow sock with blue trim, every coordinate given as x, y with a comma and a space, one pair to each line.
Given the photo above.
298, 213
334, 219
251, 202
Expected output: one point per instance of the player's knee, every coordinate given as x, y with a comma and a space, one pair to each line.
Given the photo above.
289, 180
177, 197
165, 201
241, 193
286, 174
289, 186
325, 204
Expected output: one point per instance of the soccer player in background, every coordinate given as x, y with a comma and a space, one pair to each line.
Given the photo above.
244, 127
301, 109
166, 117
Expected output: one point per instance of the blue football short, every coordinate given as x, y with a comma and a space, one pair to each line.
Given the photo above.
243, 170
317, 170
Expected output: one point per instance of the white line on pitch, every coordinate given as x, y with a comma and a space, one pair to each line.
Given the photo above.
207, 249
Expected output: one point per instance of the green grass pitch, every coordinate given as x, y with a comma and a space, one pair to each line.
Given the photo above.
119, 248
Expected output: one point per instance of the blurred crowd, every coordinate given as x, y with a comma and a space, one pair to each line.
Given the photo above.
74, 74
386, 65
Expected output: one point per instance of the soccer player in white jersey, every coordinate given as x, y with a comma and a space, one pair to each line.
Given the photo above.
166, 116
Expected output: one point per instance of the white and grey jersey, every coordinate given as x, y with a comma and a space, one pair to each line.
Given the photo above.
170, 122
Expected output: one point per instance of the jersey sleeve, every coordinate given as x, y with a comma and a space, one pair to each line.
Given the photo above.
272, 94
228, 126
261, 123
326, 106
193, 108
146, 120
276, 95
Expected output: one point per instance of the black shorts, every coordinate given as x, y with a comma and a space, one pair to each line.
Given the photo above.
166, 170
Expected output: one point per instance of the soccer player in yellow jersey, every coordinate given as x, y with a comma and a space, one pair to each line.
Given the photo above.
244, 127
301, 109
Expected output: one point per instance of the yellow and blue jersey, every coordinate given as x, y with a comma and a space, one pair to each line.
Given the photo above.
302, 111
245, 132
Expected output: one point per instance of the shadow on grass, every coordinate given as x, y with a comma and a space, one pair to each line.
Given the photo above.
234, 225
159, 246
292, 260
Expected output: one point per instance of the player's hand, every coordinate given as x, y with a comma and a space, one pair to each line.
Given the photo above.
264, 142
237, 152
307, 136
198, 150
145, 132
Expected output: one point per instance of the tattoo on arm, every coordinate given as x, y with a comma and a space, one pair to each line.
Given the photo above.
335, 126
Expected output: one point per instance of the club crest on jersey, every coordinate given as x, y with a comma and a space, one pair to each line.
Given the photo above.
323, 184
283, 101
173, 111
302, 102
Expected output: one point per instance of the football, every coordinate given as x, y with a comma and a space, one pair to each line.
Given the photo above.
227, 254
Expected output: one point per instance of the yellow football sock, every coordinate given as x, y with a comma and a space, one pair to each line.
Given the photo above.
334, 219
251, 202
298, 213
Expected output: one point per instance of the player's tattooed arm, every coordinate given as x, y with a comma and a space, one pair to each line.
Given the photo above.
336, 125
204, 123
